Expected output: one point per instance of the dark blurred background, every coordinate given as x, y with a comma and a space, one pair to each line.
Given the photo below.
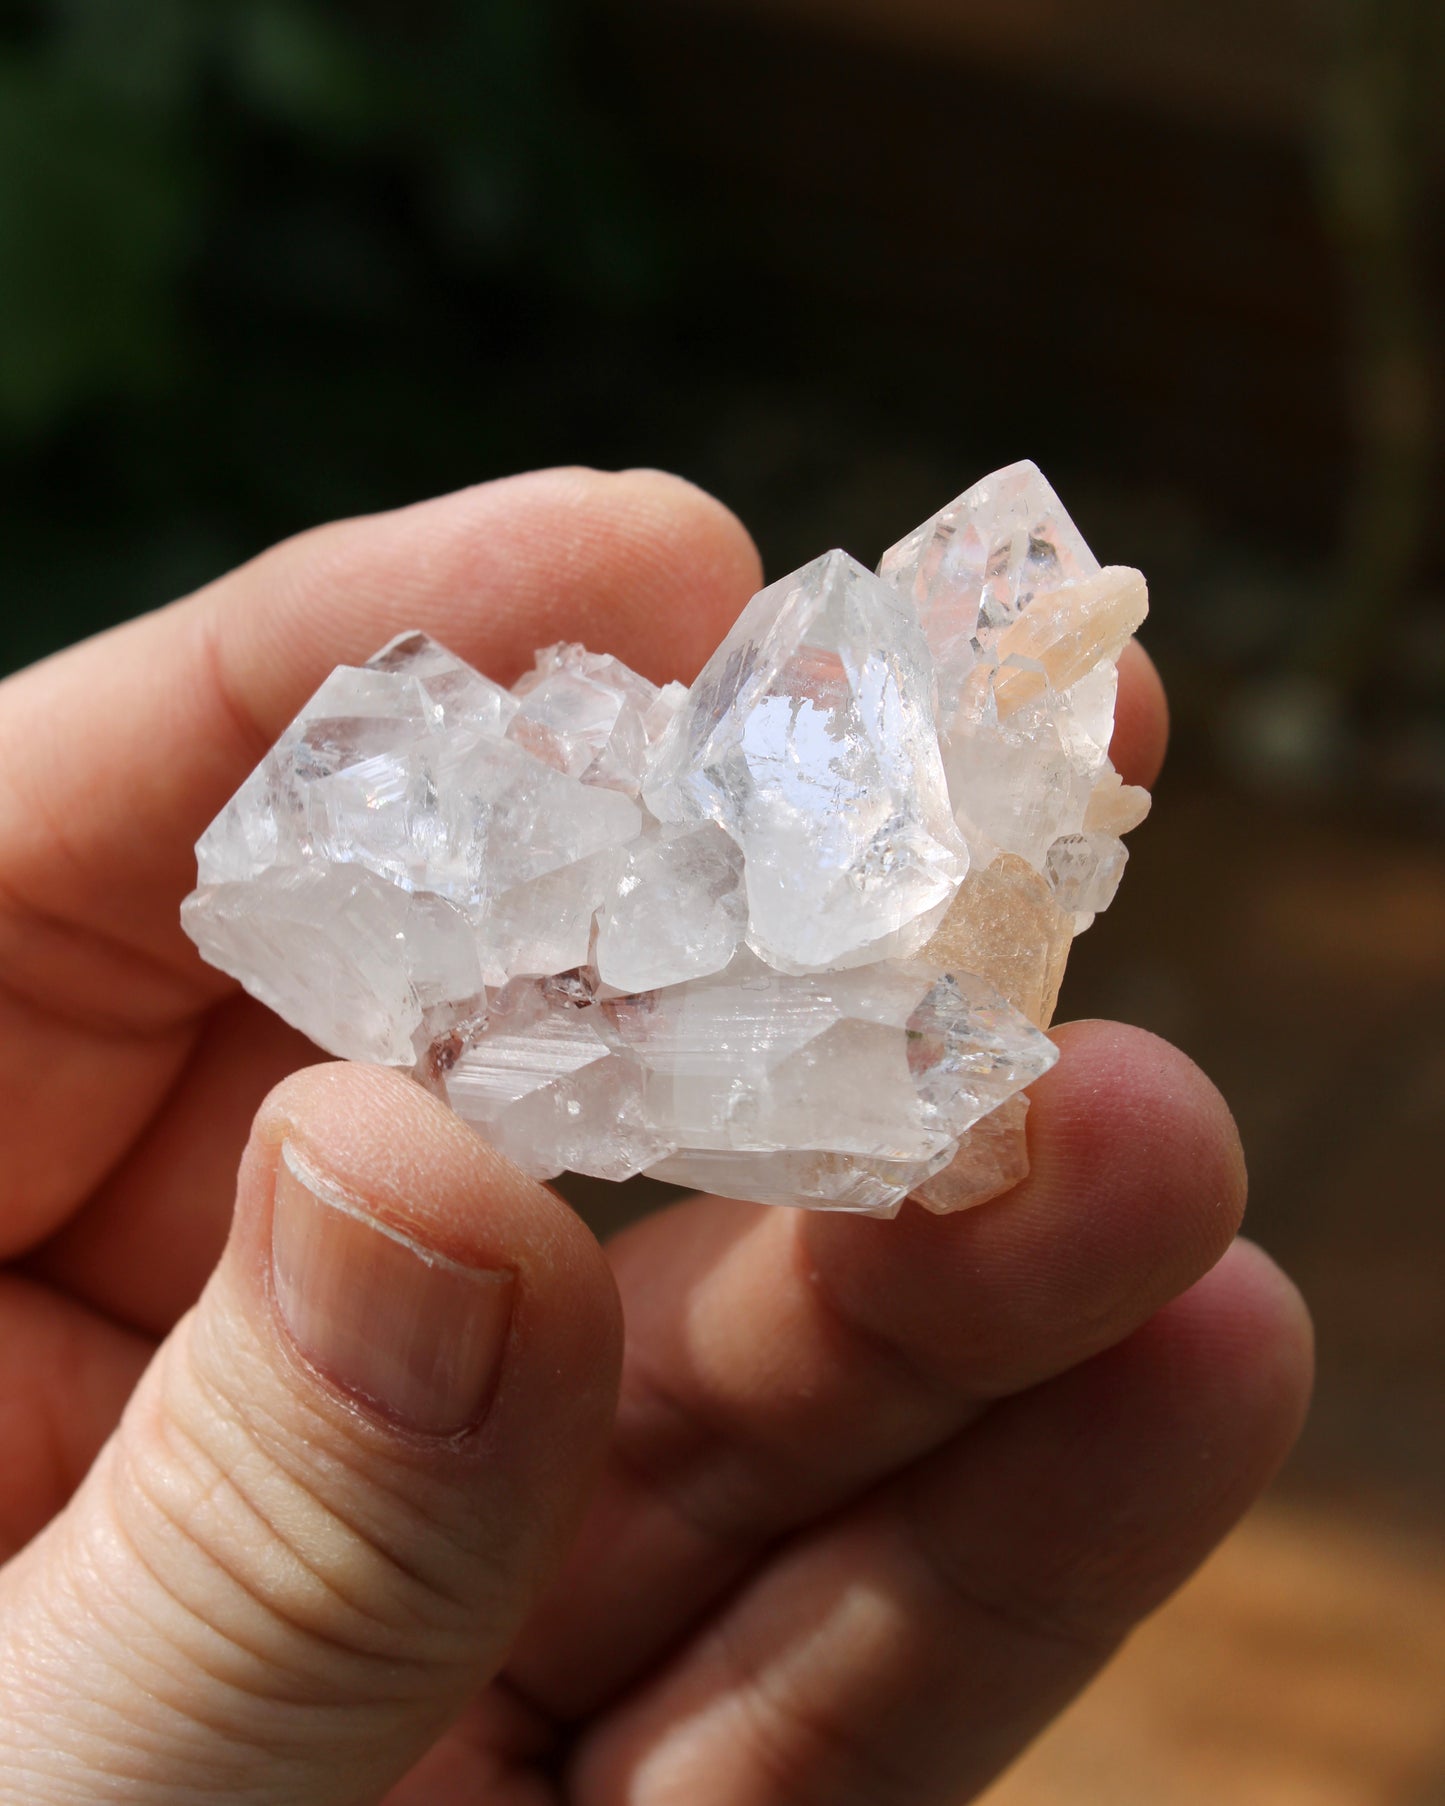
263, 262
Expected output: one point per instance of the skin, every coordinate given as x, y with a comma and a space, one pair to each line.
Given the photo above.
848, 1513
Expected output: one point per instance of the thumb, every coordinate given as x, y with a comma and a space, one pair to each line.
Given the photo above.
340, 1484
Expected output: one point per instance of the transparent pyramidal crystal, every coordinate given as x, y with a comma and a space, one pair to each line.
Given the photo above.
793, 934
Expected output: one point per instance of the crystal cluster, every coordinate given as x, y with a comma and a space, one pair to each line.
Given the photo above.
793, 934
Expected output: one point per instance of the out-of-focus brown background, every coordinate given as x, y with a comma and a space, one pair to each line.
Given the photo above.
267, 261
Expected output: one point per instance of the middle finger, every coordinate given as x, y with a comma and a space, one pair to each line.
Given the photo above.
779, 1363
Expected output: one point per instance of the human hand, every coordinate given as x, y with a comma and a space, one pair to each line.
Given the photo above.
875, 1499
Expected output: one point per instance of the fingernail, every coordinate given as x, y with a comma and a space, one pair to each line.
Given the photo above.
409, 1332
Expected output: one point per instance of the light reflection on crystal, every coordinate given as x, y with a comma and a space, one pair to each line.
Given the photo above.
809, 737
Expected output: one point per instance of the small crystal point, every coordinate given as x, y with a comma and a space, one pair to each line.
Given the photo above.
793, 934
1084, 871
1114, 806
586, 715
463, 696
992, 1158
975, 566
676, 909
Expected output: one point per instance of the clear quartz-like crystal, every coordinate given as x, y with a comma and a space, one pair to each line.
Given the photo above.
1084, 870
548, 1086
992, 1158
793, 934
893, 1059
810, 738
356, 963
587, 715
977, 565
461, 694
676, 910
402, 769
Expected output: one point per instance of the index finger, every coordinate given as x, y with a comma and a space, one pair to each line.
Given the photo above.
118, 752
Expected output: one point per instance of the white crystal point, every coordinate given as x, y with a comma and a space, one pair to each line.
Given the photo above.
393, 815
463, 696
377, 772
892, 1061
587, 715
545, 925
1084, 870
992, 1158
1025, 628
810, 738
970, 1050
359, 722
676, 911
844, 1091
974, 567
1019, 781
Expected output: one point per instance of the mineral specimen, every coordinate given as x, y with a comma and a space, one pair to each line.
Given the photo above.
793, 934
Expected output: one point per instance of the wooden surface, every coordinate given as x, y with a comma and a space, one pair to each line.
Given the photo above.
1304, 1666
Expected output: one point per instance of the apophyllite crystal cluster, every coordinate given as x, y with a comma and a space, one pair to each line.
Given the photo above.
793, 934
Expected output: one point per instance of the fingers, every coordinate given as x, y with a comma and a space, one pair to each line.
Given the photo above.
144, 1245
908, 1652
779, 1363
1141, 719
339, 1485
65, 1374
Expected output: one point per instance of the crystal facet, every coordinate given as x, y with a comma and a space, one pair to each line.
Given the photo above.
976, 567
809, 737
793, 934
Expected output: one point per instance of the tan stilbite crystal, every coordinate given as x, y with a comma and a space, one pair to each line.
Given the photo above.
1004, 925
992, 1158
1064, 635
1116, 807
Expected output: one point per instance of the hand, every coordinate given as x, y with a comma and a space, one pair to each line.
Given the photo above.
371, 1521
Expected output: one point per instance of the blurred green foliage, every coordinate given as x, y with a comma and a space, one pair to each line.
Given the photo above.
268, 262
262, 261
